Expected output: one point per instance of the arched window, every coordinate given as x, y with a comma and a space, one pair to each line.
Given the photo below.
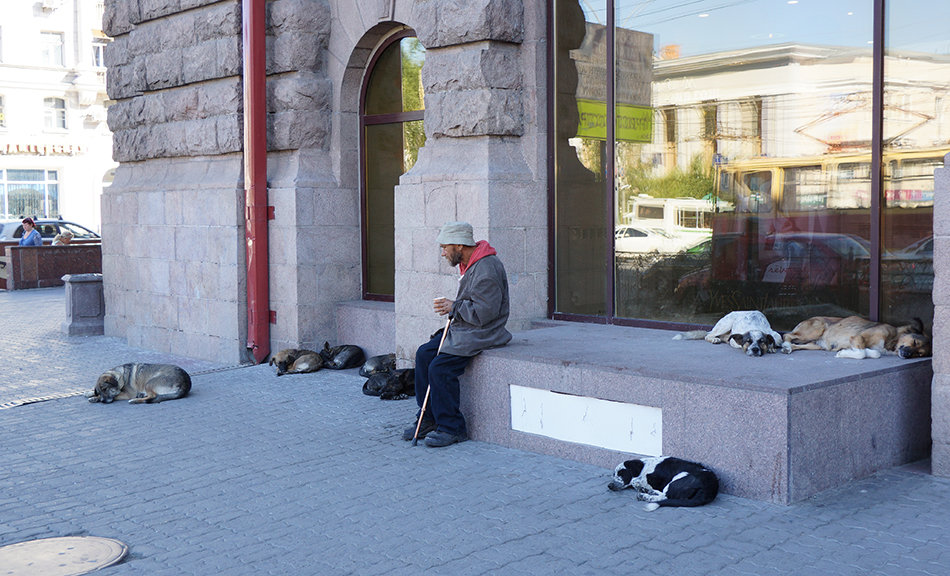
391, 114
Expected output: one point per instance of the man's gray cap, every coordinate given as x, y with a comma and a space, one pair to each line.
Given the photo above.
457, 233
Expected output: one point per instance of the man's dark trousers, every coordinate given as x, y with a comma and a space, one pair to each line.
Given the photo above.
442, 374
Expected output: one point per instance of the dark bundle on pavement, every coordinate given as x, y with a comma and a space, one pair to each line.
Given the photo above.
392, 385
341, 357
378, 364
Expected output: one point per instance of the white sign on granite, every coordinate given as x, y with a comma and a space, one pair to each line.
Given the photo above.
592, 421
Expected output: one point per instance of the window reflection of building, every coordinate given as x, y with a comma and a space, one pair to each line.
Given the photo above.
916, 85
777, 138
580, 198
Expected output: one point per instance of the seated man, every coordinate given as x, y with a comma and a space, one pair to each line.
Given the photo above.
477, 321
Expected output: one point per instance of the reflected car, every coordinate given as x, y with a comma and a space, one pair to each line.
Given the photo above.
682, 263
910, 269
644, 239
795, 263
48, 228
814, 259
662, 276
922, 249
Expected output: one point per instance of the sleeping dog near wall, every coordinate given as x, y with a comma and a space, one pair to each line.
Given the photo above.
296, 361
857, 338
342, 357
666, 481
391, 385
378, 365
746, 329
141, 384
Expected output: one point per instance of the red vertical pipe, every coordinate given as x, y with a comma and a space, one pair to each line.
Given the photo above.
255, 178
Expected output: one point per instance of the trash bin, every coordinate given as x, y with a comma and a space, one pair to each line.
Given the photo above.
85, 305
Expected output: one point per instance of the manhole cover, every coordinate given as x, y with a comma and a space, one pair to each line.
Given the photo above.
68, 556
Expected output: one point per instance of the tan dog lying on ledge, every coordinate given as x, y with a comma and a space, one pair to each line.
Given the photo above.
855, 337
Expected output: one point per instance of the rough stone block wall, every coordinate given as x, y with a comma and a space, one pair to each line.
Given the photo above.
940, 401
173, 220
175, 77
479, 163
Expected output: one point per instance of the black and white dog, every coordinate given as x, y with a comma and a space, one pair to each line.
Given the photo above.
667, 481
746, 329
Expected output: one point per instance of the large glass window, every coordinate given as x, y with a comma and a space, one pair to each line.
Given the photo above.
715, 156
916, 133
29, 193
392, 135
580, 131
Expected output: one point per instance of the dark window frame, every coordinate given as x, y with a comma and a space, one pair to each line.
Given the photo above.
877, 151
370, 120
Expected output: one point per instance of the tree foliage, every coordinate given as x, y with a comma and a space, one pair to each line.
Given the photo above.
697, 181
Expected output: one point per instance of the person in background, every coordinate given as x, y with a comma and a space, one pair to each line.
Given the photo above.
63, 238
31, 237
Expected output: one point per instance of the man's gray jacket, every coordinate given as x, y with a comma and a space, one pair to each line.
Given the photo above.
480, 311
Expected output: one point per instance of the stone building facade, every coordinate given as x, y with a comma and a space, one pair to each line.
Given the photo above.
940, 404
174, 254
176, 80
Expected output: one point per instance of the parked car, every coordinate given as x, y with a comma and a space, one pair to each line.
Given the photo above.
48, 229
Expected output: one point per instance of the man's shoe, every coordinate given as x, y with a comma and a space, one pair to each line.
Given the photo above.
439, 439
426, 427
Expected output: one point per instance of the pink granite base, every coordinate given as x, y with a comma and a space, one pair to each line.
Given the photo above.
778, 428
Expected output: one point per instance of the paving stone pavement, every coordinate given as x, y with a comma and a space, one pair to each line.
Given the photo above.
304, 474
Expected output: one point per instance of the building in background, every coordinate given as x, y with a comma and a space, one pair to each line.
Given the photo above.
55, 146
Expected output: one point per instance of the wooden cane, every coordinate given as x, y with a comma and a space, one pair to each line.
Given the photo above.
425, 401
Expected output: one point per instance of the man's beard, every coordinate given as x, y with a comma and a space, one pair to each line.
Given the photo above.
455, 258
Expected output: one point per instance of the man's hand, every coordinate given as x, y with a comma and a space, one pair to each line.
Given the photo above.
442, 306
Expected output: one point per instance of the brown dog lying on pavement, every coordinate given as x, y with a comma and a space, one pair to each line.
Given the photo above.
855, 337
296, 361
141, 384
